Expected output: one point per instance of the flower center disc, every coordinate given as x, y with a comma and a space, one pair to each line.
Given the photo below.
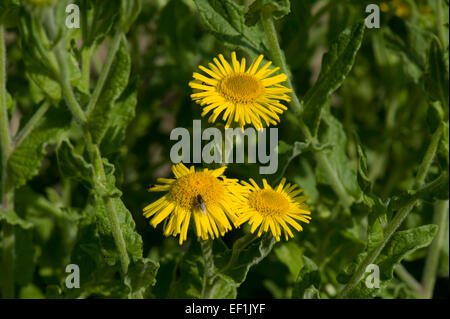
241, 87
269, 202
186, 189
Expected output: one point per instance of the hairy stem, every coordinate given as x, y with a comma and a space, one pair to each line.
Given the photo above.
99, 171
7, 196
432, 262
209, 271
114, 46
239, 245
398, 219
278, 57
34, 120
94, 152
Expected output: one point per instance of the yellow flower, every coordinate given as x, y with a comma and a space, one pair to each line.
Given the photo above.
274, 208
207, 197
244, 96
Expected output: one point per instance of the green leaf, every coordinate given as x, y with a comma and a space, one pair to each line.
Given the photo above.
26, 159
122, 113
336, 64
103, 17
246, 259
277, 8
99, 118
435, 190
287, 153
226, 21
132, 239
129, 11
141, 276
11, 217
73, 165
435, 79
308, 280
190, 281
400, 245
291, 255
332, 132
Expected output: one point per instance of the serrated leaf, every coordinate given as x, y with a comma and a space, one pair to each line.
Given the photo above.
132, 239
99, 118
141, 276
226, 21
129, 11
104, 16
247, 258
190, 282
122, 112
11, 218
277, 8
437, 189
400, 245
26, 159
287, 153
332, 132
336, 64
291, 255
73, 165
308, 280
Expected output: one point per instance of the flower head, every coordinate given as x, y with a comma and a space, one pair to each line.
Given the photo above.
274, 208
245, 96
205, 196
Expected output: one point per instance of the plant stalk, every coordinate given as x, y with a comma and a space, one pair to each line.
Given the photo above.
432, 261
114, 46
397, 220
34, 120
278, 57
208, 274
7, 195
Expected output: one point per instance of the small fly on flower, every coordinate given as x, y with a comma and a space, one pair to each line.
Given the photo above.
201, 204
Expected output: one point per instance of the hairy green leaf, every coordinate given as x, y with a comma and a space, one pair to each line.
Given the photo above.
26, 159
99, 118
226, 21
336, 64
277, 8
308, 280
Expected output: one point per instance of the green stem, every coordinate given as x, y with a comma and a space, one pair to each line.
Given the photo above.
208, 274
396, 221
278, 57
439, 22
432, 262
37, 116
7, 196
64, 72
93, 149
428, 159
86, 68
238, 246
99, 170
408, 279
114, 46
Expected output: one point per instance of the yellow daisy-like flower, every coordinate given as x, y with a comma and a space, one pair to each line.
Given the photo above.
205, 196
275, 208
245, 96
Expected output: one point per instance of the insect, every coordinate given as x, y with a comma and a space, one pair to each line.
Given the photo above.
201, 204
150, 186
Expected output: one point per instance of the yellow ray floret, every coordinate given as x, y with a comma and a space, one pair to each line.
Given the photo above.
245, 96
277, 209
206, 197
